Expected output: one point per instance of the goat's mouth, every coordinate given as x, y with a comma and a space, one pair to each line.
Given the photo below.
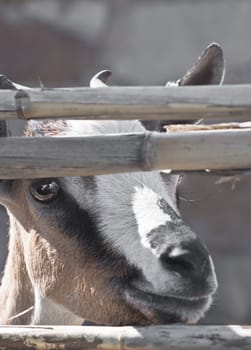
167, 309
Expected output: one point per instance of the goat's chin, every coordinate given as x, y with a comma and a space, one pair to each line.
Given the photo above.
167, 309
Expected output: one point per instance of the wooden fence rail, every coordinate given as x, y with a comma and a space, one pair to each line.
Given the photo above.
147, 103
126, 338
29, 157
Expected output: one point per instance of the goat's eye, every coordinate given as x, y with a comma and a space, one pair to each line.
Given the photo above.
44, 190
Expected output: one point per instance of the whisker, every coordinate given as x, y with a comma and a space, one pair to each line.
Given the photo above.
21, 313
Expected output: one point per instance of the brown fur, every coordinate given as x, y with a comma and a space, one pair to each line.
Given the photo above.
61, 268
16, 293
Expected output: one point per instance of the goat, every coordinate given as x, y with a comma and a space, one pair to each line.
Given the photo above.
112, 249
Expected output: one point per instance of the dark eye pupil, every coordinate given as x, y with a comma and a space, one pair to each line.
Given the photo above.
44, 191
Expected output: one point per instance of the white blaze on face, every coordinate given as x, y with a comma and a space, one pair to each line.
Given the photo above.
148, 213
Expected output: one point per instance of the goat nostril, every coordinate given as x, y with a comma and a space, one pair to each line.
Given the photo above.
187, 257
180, 263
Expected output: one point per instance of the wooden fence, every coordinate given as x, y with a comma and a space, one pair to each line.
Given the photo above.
214, 148
176, 337
180, 151
129, 103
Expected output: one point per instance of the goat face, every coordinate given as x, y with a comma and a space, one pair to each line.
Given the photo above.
112, 249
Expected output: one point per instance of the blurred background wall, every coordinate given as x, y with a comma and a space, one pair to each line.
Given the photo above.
63, 43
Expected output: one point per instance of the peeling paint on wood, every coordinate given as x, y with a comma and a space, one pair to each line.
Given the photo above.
176, 337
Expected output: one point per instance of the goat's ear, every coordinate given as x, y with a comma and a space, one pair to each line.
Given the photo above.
6, 84
5, 185
209, 69
171, 182
100, 79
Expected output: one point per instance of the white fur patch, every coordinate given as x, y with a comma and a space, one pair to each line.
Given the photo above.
46, 311
148, 214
